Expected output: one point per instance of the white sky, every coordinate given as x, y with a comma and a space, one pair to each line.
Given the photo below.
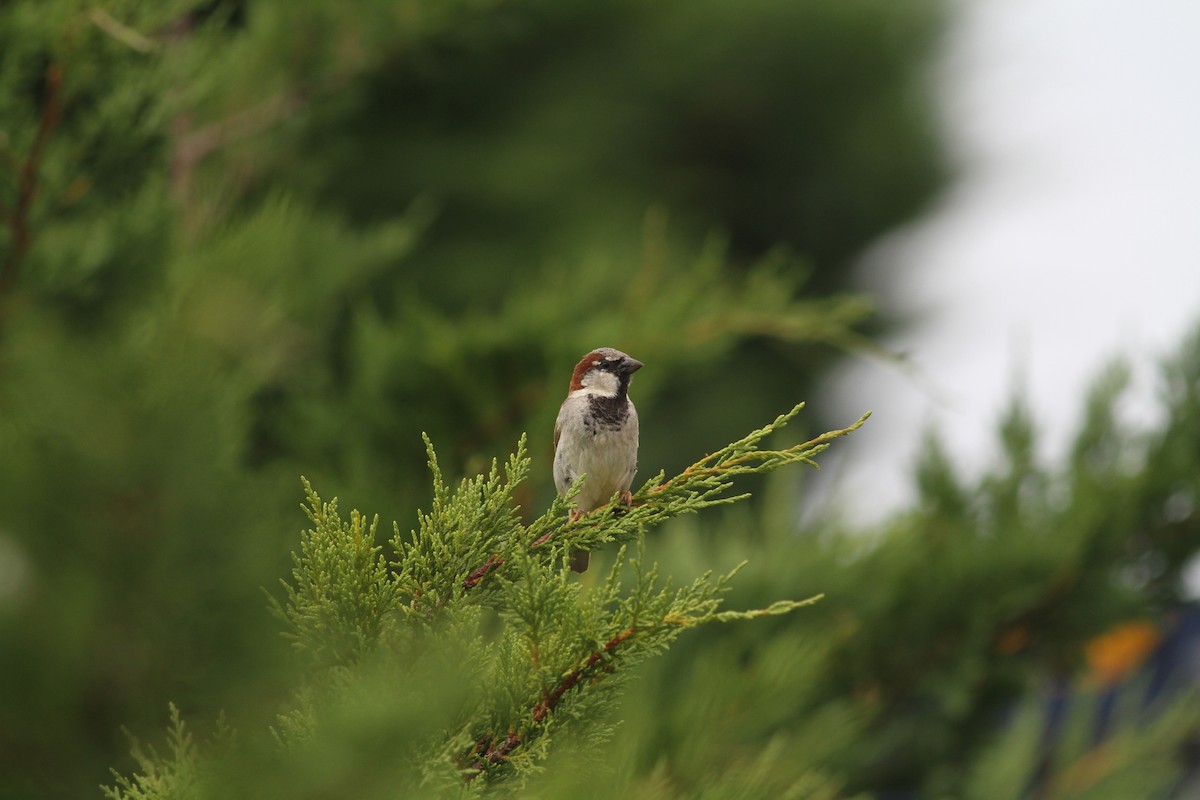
1071, 236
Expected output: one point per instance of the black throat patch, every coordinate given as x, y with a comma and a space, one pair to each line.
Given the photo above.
606, 413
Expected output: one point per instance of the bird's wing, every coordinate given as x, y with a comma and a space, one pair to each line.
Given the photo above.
558, 424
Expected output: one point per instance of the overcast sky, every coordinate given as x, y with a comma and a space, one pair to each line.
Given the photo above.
1071, 236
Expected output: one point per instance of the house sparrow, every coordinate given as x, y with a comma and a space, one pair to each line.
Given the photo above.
597, 434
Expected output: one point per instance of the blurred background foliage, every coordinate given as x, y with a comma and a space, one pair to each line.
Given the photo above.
242, 241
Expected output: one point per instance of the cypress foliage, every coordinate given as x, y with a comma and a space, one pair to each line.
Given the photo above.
242, 241
476, 601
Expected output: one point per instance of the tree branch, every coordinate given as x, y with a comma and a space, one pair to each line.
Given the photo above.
493, 563
701, 484
572, 678
487, 751
27, 183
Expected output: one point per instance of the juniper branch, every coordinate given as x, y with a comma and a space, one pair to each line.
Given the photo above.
341, 595
561, 649
704, 484
701, 485
637, 625
489, 753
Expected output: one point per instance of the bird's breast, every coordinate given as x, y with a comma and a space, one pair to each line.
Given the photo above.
601, 441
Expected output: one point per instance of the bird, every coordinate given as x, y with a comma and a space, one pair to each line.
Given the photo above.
596, 434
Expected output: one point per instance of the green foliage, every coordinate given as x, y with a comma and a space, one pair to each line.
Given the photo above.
1141, 761
241, 241
341, 597
512, 667
175, 774
943, 621
476, 594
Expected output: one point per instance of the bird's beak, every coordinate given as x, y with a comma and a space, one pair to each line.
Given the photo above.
631, 366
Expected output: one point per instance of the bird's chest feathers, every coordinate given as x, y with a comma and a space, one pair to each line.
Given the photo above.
601, 439
604, 414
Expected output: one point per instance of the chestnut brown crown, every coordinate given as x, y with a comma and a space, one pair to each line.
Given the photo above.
606, 359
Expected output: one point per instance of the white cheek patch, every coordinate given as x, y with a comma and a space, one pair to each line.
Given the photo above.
601, 382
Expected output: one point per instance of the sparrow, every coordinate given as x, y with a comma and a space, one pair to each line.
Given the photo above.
596, 435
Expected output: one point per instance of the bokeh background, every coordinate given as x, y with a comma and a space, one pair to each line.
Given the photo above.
1063, 242
246, 240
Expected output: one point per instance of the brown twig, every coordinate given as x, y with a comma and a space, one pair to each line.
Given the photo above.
494, 562
493, 753
27, 182
572, 679
488, 751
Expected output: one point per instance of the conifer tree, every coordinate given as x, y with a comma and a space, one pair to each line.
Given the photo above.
246, 240
884, 688
482, 613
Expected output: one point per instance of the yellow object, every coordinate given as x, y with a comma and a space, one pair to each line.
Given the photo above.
1115, 654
